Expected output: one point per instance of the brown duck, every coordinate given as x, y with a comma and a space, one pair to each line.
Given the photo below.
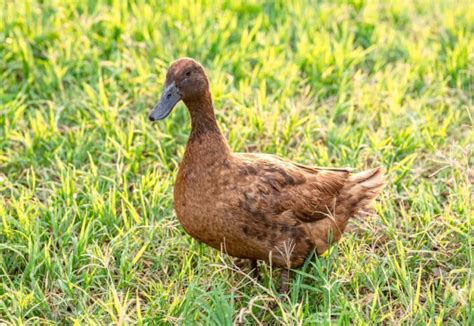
255, 206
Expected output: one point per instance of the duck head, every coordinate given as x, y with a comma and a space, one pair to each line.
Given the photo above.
186, 80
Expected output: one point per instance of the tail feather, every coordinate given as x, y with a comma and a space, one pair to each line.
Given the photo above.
356, 196
362, 188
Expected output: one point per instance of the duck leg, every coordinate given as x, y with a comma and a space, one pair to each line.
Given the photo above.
244, 263
255, 271
285, 281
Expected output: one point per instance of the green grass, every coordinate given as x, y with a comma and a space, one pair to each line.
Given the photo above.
87, 229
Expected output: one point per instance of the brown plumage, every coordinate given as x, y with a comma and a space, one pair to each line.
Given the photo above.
255, 206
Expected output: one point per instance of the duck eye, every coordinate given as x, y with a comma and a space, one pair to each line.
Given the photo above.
188, 73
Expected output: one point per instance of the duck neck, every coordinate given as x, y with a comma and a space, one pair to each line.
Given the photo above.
205, 132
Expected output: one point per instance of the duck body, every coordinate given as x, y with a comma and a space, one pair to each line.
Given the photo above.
260, 207
257, 206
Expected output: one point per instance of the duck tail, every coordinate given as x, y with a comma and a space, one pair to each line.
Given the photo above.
362, 188
355, 198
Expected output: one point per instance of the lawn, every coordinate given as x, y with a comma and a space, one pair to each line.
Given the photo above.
87, 228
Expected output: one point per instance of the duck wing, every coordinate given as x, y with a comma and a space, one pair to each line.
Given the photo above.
305, 193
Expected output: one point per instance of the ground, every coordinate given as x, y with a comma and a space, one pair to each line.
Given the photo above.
87, 229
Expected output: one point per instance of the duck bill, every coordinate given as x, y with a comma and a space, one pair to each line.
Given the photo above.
167, 102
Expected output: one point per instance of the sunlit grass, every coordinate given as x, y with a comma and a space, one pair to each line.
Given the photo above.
87, 230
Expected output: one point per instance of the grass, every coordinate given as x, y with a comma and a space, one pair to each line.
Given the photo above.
87, 229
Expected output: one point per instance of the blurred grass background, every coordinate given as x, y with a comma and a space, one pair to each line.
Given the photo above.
87, 230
